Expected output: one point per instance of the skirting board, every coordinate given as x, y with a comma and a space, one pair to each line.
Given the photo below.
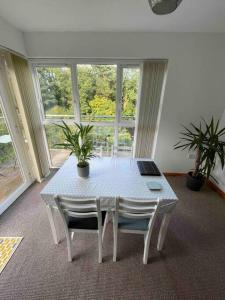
211, 184
173, 174
215, 188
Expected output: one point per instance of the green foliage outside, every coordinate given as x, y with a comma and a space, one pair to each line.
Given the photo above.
103, 136
102, 107
7, 154
126, 136
97, 85
130, 85
56, 90
97, 93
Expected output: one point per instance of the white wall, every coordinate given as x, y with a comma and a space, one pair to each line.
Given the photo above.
196, 76
11, 38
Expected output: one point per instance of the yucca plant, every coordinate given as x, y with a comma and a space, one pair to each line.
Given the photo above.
78, 141
205, 139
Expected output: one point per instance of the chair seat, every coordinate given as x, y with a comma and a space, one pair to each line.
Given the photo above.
133, 224
85, 223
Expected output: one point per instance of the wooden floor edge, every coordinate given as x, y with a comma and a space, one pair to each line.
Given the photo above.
211, 184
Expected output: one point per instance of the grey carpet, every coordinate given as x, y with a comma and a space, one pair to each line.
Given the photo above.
192, 265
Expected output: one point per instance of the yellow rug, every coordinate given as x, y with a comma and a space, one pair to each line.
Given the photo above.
8, 246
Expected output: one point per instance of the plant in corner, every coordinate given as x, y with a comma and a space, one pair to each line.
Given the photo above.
205, 140
79, 142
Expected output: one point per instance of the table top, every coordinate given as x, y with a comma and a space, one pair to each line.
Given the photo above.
109, 177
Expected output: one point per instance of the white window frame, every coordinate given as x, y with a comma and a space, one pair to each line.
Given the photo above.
72, 64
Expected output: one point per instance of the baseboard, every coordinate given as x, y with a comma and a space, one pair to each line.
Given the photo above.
173, 174
215, 188
211, 184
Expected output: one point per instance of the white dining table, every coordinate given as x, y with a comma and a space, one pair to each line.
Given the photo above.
108, 179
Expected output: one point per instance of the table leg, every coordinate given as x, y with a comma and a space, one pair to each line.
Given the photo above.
50, 212
163, 230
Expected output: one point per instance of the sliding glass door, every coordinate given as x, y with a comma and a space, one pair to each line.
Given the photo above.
15, 165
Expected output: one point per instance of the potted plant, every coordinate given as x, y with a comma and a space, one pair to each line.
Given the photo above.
79, 142
205, 139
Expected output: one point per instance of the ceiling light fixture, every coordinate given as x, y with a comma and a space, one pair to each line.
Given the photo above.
163, 7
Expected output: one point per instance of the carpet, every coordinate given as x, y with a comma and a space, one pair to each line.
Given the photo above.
190, 267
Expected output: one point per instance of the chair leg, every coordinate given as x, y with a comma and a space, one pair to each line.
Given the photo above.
68, 240
100, 246
115, 237
72, 235
105, 224
146, 248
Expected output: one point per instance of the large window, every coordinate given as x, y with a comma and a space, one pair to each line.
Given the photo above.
104, 95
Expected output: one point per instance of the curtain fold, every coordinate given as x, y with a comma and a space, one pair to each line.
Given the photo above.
23, 87
150, 96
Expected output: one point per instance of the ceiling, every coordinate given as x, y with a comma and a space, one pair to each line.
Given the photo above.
112, 15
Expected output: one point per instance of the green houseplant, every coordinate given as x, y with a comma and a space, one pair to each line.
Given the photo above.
79, 142
205, 140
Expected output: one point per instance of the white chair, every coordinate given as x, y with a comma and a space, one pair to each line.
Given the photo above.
82, 215
134, 216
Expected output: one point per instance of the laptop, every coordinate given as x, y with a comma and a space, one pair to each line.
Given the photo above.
148, 168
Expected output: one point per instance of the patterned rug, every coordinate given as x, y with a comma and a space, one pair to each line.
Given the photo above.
8, 246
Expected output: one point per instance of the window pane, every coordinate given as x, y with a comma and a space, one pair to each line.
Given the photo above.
56, 91
97, 92
10, 174
103, 139
125, 142
129, 93
54, 136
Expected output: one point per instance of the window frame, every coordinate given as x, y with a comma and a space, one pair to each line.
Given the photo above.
72, 64
40, 102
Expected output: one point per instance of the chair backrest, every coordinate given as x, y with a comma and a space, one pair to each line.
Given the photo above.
136, 208
78, 207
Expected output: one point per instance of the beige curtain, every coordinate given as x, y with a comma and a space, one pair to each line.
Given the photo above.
151, 88
23, 88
